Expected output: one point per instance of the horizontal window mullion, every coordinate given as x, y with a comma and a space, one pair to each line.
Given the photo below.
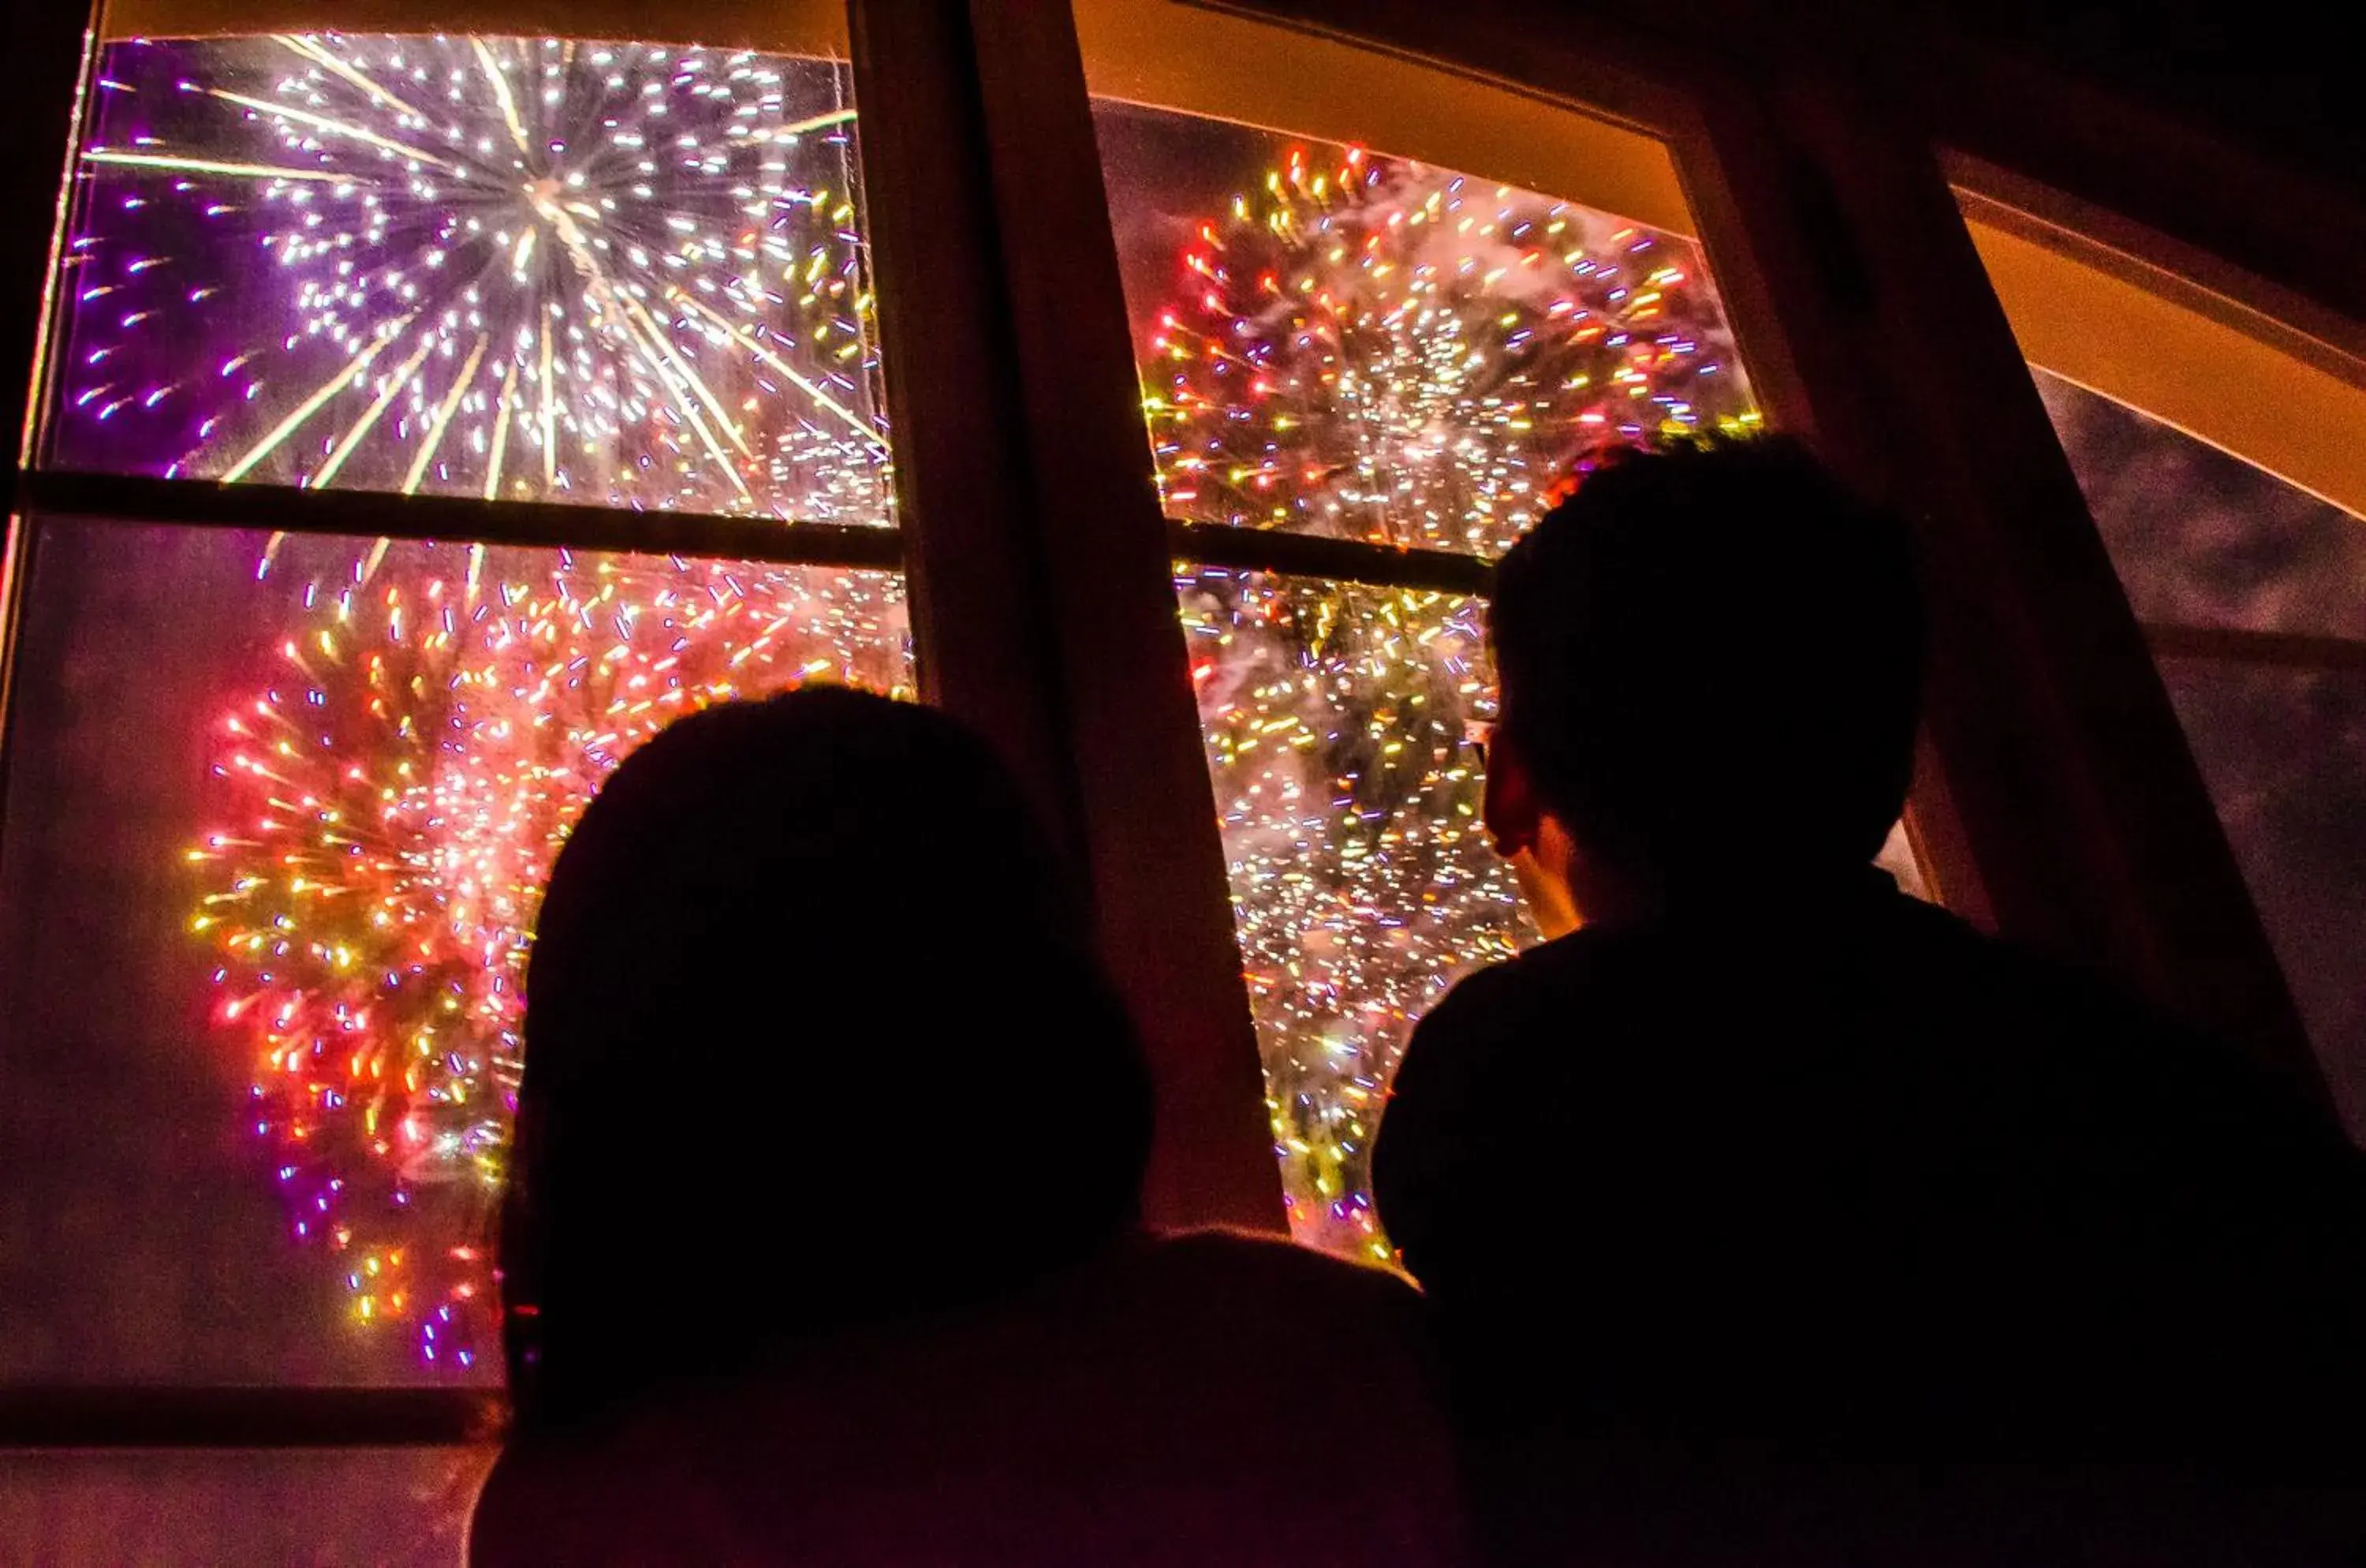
373, 515
1338, 560
2233, 645
247, 1418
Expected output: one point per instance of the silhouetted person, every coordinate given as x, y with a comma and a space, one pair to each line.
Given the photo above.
1772, 1216
820, 1240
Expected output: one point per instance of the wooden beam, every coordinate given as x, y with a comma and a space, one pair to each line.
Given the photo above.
1306, 75
1845, 258
366, 513
1042, 595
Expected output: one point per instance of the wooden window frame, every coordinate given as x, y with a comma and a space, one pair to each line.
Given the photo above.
2187, 340
2056, 802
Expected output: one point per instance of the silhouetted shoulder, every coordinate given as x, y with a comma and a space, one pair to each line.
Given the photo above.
1543, 1025
1166, 1404
2049, 1038
1224, 1267
1619, 1029
1234, 1304
1223, 1319
1884, 1132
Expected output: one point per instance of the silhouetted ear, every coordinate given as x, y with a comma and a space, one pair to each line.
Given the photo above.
1509, 807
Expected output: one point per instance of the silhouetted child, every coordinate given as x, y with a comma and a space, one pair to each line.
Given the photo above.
1774, 1216
819, 1244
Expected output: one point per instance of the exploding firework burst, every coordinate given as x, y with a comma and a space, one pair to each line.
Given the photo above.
1377, 350
397, 796
1362, 884
524, 268
1371, 349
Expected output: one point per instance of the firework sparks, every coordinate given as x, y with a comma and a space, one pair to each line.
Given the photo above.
396, 799
1336, 719
1373, 349
522, 268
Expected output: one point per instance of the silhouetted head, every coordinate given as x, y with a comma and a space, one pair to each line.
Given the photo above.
1711, 664
816, 1038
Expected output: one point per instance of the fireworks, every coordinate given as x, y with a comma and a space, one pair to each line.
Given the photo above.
1375, 350
616, 274
510, 268
628, 276
1370, 349
1362, 882
396, 799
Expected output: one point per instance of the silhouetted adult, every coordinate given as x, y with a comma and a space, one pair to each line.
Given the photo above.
1771, 1215
820, 1240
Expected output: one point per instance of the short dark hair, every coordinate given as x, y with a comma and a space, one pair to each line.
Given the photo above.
1713, 655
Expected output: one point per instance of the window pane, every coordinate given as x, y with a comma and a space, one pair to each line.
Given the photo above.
618, 273
278, 814
324, 1508
2211, 440
1339, 341
2204, 539
1362, 880
2284, 753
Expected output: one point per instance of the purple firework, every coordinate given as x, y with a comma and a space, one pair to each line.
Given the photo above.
526, 268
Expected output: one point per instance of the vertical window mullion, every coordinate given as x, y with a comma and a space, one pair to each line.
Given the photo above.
1042, 598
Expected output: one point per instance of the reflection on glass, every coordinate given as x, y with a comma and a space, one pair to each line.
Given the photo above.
2201, 539
279, 814
1363, 883
1337, 343
515, 269
325, 1509
2284, 753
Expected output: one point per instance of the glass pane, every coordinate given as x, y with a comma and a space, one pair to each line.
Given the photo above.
2284, 753
1363, 883
1336, 342
278, 814
2204, 540
323, 1508
619, 274
2201, 538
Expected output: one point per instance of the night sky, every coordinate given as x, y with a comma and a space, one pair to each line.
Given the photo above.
2204, 540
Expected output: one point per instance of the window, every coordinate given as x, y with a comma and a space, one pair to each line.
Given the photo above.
2197, 428
427, 411
547, 270
2250, 591
1335, 717
279, 810
1340, 342
515, 270
541, 376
